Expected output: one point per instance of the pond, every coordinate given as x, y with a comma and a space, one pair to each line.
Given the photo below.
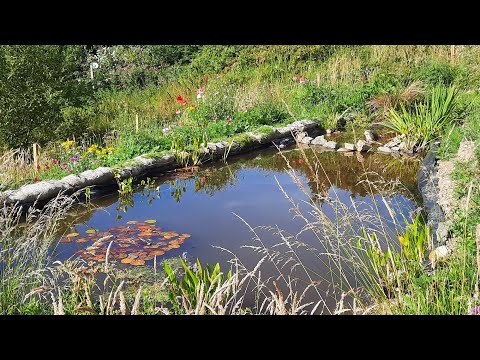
205, 212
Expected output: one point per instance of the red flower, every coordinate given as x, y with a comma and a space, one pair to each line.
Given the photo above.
179, 99
301, 80
184, 102
54, 161
300, 161
38, 167
47, 167
35, 180
203, 179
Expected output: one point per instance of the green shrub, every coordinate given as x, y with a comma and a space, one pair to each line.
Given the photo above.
436, 74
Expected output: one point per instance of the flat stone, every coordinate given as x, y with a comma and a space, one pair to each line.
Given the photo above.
343, 150
384, 149
395, 148
362, 146
331, 145
319, 140
350, 147
307, 140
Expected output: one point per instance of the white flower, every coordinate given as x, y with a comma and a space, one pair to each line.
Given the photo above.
199, 96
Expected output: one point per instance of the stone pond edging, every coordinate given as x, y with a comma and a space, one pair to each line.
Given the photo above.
140, 165
301, 131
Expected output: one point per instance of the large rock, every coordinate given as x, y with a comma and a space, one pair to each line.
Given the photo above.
306, 140
350, 147
331, 145
362, 146
319, 141
384, 150
440, 254
39, 191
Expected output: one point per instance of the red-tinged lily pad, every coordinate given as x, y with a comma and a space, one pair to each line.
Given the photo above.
133, 244
65, 240
72, 235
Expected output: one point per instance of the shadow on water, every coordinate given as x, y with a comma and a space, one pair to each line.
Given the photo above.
197, 212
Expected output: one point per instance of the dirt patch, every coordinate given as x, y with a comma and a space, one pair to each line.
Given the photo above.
446, 184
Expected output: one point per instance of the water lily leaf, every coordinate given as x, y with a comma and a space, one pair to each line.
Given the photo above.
157, 252
151, 221
72, 234
137, 262
82, 240
127, 260
65, 240
174, 246
91, 231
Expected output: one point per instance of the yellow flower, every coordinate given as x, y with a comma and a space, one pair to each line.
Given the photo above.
190, 108
67, 144
104, 151
92, 148
110, 148
98, 152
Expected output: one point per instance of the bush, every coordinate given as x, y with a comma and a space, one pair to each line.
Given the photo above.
436, 74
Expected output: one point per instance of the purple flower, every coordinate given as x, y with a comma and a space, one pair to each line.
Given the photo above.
75, 158
63, 165
475, 310
195, 268
179, 299
184, 255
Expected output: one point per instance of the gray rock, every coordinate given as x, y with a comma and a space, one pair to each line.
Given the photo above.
442, 232
331, 145
39, 191
343, 150
350, 147
384, 149
319, 140
299, 136
362, 146
74, 181
370, 135
307, 140
395, 148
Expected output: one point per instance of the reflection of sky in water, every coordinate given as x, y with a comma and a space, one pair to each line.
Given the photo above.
209, 218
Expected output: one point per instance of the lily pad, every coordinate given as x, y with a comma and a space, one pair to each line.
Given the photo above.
72, 234
91, 231
151, 221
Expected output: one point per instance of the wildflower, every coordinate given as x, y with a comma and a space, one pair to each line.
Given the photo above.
203, 179
200, 91
54, 161
195, 268
63, 165
67, 144
166, 130
110, 148
300, 161
184, 102
178, 112
96, 161
475, 310
199, 96
92, 148
190, 108
47, 167
179, 99
301, 80
38, 167
294, 78
98, 152
35, 180
75, 158
184, 255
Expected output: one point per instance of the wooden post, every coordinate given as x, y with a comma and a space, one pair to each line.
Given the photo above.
318, 79
452, 55
91, 71
136, 123
36, 155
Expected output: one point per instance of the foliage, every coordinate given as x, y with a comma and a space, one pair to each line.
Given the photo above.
428, 120
199, 284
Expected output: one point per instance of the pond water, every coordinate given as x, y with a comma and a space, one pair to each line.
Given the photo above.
202, 212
